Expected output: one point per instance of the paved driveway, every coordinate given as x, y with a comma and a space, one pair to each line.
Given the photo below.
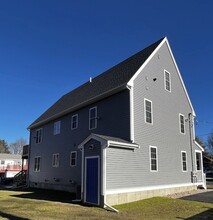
204, 196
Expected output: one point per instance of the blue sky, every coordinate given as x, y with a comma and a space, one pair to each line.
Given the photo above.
49, 47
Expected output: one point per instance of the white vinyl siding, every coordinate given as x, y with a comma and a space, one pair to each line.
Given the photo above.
92, 118
57, 128
167, 81
38, 136
184, 161
148, 112
153, 159
37, 164
74, 122
73, 158
55, 160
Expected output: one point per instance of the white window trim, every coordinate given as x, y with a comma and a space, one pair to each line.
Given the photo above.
165, 71
53, 160
96, 113
145, 111
72, 128
39, 164
150, 161
57, 128
180, 124
75, 158
36, 137
182, 161
201, 161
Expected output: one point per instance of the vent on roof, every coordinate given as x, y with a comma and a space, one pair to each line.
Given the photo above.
90, 79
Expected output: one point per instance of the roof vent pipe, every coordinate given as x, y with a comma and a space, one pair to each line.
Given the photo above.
90, 79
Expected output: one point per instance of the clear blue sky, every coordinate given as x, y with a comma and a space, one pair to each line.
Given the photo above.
49, 47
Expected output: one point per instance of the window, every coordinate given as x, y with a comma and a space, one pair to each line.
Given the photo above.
182, 124
38, 137
153, 159
74, 122
55, 160
73, 158
184, 161
57, 127
148, 111
2, 162
198, 161
167, 81
92, 118
37, 164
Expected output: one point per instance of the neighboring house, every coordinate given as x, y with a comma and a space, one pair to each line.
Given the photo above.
125, 135
10, 165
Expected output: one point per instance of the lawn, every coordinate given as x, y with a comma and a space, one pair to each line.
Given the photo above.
23, 205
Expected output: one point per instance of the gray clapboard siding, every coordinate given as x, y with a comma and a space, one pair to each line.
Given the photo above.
164, 133
113, 120
127, 169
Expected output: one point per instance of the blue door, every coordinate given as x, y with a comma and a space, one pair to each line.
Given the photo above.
92, 180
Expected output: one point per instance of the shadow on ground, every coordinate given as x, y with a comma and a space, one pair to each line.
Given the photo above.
48, 195
11, 217
207, 215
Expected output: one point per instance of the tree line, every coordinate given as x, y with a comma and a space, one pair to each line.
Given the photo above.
12, 148
207, 145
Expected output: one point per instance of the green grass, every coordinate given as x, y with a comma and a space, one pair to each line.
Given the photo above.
35, 205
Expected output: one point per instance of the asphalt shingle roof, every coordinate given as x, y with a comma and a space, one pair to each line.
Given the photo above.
112, 80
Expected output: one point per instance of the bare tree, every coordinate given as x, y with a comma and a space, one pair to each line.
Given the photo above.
210, 143
3, 146
200, 142
17, 147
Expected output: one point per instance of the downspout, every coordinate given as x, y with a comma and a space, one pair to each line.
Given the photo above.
108, 207
191, 146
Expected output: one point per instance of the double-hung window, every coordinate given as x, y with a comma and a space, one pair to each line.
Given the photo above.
74, 122
148, 112
38, 136
37, 164
198, 161
184, 161
92, 118
167, 81
153, 158
73, 158
57, 127
55, 160
182, 124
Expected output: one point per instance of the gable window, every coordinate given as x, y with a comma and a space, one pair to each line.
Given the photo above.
37, 164
74, 122
153, 159
38, 137
167, 81
92, 118
148, 111
55, 160
182, 124
57, 127
198, 161
73, 158
184, 161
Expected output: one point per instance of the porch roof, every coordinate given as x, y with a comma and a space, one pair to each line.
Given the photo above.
108, 141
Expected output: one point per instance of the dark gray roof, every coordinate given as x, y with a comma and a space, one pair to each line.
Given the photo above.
115, 139
105, 84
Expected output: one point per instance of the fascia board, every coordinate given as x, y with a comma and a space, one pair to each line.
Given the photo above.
165, 40
131, 81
